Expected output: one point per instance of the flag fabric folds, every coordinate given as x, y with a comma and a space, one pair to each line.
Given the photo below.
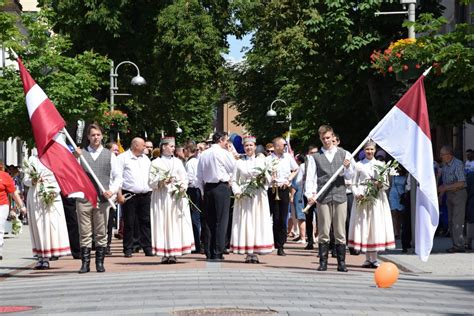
52, 149
404, 133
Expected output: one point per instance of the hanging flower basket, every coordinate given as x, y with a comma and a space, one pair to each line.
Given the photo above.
405, 58
410, 70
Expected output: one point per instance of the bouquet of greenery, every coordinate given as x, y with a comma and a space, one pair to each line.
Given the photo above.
258, 181
164, 176
15, 222
178, 193
374, 184
46, 193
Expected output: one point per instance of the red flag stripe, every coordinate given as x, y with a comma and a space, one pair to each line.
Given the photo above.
413, 104
45, 115
28, 82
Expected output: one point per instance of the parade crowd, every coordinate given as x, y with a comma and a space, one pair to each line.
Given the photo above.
206, 198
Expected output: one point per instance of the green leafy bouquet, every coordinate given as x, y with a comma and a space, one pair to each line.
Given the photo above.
16, 224
374, 184
46, 193
251, 186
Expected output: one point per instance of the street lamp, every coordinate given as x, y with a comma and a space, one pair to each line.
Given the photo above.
410, 12
273, 113
136, 81
178, 129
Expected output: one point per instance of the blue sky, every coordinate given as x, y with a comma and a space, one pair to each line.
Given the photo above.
235, 48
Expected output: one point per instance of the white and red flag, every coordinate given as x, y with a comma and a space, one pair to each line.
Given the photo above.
404, 133
52, 149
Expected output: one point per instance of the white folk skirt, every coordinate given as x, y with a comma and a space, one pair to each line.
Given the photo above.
171, 226
371, 227
252, 231
48, 229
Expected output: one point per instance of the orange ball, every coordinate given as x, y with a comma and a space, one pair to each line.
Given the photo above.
386, 275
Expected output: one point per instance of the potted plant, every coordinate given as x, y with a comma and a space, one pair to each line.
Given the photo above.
115, 121
405, 57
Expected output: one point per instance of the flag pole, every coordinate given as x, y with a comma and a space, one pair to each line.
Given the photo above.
86, 165
335, 175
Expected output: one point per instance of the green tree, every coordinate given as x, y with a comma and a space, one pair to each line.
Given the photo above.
70, 82
177, 46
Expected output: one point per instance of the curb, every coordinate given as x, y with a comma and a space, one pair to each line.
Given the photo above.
403, 266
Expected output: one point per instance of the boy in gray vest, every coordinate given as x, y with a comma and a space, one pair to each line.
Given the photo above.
332, 204
94, 220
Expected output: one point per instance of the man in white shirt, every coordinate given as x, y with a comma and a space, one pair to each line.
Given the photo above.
286, 169
93, 221
134, 167
332, 204
214, 172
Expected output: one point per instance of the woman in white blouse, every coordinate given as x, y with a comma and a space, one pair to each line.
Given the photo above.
252, 231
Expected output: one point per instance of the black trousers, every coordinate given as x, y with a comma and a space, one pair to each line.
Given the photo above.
406, 222
110, 225
217, 204
69, 205
138, 207
196, 197
309, 217
279, 212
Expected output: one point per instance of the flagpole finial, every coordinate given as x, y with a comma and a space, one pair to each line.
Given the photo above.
427, 71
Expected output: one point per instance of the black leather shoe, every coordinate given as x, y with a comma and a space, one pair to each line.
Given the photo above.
128, 255
148, 252
309, 247
281, 252
454, 250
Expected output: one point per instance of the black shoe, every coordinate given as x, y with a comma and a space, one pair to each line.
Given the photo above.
281, 252
76, 255
53, 258
165, 260
341, 257
86, 259
454, 250
39, 265
128, 254
136, 249
226, 251
148, 252
323, 256
353, 252
99, 259
309, 246
172, 260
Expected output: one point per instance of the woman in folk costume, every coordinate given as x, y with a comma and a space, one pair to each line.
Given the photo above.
171, 226
47, 222
252, 231
370, 228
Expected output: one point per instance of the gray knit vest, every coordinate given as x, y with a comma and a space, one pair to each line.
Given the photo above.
336, 192
101, 167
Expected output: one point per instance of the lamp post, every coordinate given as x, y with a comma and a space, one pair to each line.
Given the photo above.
178, 129
273, 113
410, 12
136, 81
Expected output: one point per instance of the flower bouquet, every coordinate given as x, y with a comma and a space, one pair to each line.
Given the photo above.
258, 181
46, 193
164, 176
374, 184
404, 57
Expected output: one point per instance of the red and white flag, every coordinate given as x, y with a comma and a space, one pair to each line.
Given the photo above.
52, 149
404, 133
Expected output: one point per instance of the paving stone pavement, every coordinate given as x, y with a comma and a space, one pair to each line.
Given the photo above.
284, 285
287, 292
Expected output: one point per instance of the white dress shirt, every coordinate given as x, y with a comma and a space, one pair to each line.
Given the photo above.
191, 171
134, 172
115, 181
215, 165
311, 185
284, 165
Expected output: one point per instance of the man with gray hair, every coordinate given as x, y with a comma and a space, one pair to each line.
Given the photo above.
454, 186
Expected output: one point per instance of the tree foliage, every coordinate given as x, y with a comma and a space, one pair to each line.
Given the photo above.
177, 46
70, 82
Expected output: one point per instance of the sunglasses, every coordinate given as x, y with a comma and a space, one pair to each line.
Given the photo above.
270, 151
